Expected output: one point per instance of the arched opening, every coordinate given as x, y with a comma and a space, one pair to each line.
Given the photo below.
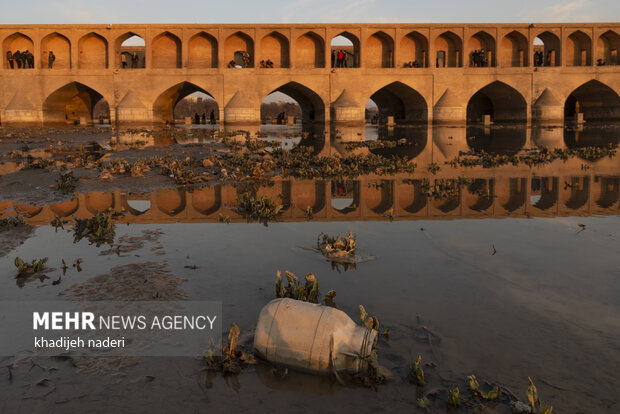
481, 50
578, 193
544, 192
501, 102
75, 103
515, 50
608, 45
18, 42
449, 48
56, 51
345, 51
274, 51
202, 51
239, 47
609, 191
186, 100
310, 51
379, 51
166, 51
130, 52
547, 50
592, 101
292, 100
481, 193
397, 113
401, 102
345, 195
496, 117
579, 50
93, 52
414, 50
517, 192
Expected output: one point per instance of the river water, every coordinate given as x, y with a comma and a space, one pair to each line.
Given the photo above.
516, 276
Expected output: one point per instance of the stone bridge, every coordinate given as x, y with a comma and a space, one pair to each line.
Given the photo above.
528, 72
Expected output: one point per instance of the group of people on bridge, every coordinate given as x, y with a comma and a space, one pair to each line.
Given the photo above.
411, 64
203, 119
266, 64
133, 57
479, 58
20, 60
25, 59
541, 60
339, 58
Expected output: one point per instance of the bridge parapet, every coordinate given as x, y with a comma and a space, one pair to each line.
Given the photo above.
163, 63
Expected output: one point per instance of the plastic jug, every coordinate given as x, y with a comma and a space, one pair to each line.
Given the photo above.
312, 338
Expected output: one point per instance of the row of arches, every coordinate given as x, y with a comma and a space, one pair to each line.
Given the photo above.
496, 102
331, 198
275, 50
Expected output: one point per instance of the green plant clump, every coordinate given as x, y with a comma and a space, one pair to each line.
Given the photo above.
12, 222
24, 269
295, 290
99, 229
261, 209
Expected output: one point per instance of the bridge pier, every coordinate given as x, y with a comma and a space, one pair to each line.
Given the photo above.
239, 110
548, 109
449, 109
345, 110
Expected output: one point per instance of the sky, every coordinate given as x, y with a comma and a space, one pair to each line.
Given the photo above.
307, 11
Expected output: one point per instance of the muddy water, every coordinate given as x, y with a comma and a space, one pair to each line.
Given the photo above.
503, 295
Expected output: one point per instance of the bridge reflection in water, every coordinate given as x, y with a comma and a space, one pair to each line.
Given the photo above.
368, 198
571, 187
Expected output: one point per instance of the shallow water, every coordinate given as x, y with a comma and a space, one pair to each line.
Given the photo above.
509, 289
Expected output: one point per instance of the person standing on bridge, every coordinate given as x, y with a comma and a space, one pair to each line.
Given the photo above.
30, 60
9, 58
50, 60
212, 117
17, 56
333, 58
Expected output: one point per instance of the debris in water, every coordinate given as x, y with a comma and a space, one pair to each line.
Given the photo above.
416, 375
329, 299
474, 387
77, 264
27, 269
232, 360
370, 322
532, 397
57, 223
294, 290
261, 209
66, 181
12, 222
99, 229
453, 397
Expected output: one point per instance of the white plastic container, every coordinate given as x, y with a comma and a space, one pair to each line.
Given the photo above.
312, 338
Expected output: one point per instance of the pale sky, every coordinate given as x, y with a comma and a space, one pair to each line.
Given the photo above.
307, 11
